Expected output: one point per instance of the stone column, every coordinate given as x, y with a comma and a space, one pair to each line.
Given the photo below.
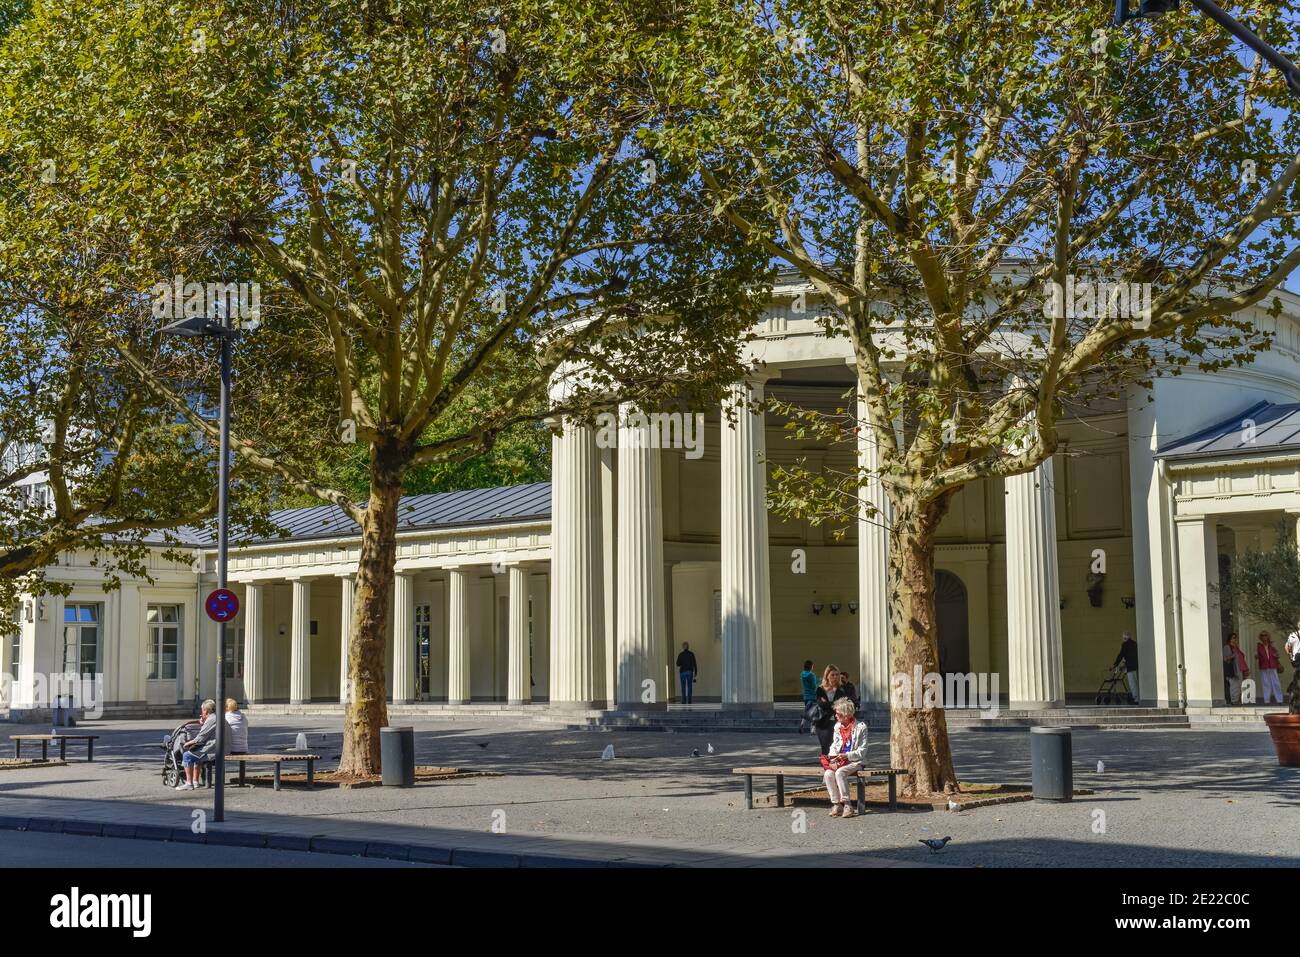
300, 650
458, 634
403, 639
577, 630
519, 666
1036, 678
1203, 639
347, 585
641, 624
746, 598
252, 612
873, 571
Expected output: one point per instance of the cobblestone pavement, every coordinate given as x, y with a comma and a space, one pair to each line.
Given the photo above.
1165, 798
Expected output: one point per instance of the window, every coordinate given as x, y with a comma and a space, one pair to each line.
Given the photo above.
81, 639
164, 622
234, 657
422, 620
15, 655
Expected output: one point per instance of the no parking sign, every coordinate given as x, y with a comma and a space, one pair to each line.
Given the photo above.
222, 605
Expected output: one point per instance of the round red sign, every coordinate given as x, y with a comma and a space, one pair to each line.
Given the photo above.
222, 605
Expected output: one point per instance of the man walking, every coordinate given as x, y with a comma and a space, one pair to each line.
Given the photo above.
808, 688
1128, 653
687, 670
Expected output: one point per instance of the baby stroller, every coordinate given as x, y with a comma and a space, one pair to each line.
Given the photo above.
1114, 687
172, 773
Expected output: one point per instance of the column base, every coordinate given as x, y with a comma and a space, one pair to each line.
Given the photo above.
759, 709
519, 701
1035, 705
578, 705
459, 701
400, 701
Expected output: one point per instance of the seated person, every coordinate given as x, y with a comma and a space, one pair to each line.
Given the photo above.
202, 748
236, 727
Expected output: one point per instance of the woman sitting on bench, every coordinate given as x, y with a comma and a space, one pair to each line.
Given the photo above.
847, 754
201, 748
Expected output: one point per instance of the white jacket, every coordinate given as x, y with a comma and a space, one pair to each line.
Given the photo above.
857, 752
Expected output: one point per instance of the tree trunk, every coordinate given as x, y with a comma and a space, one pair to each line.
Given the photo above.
367, 708
918, 735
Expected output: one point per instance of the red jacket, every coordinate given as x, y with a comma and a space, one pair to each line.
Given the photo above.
1267, 657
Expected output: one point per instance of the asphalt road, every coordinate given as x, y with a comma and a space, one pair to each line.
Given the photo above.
32, 849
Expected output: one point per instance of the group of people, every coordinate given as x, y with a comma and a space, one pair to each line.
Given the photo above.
831, 708
1236, 668
202, 748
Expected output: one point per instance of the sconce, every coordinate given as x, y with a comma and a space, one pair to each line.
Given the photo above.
1095, 581
282, 630
853, 608
1128, 601
1062, 604
27, 608
817, 607
42, 609
835, 608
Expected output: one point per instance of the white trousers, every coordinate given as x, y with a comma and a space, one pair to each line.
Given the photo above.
1270, 684
838, 782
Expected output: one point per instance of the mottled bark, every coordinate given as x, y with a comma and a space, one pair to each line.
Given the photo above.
918, 736
367, 709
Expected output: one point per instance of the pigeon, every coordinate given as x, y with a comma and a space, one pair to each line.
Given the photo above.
935, 845
1101, 766
482, 744
710, 749
695, 753
953, 805
608, 753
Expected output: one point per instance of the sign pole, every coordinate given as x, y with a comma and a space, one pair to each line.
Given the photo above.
223, 479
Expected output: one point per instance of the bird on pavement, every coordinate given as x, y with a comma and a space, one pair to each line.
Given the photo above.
482, 744
695, 753
710, 749
935, 845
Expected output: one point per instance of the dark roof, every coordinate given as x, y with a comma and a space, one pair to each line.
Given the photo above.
1266, 428
465, 509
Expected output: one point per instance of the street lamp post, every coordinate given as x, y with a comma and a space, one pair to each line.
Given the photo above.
1153, 8
225, 335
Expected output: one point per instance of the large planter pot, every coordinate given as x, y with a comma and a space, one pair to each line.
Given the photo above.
1285, 729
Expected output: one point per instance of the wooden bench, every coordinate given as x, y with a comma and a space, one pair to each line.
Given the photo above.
276, 759
63, 740
801, 772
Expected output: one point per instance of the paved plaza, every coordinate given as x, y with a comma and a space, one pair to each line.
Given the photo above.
1165, 798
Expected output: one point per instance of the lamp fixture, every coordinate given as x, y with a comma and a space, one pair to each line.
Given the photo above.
835, 608
853, 608
817, 607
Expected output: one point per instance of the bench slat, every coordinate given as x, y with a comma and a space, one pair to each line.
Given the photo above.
267, 758
53, 737
807, 772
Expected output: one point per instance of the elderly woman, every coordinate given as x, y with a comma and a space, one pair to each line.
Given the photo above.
202, 748
847, 754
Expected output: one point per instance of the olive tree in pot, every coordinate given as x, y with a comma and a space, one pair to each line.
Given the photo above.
1265, 583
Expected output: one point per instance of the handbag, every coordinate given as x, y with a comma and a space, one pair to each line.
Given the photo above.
816, 711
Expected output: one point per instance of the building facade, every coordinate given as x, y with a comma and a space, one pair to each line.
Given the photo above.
581, 591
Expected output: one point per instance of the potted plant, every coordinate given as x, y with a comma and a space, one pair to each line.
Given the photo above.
1266, 584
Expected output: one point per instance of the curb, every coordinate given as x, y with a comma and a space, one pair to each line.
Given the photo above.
387, 850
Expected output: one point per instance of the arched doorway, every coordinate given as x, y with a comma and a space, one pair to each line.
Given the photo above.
950, 615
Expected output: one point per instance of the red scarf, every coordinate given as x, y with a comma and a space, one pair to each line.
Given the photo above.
846, 736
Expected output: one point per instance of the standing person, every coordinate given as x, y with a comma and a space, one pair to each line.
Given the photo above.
847, 754
238, 726
687, 670
808, 689
1267, 658
1293, 646
1241, 670
1231, 680
850, 691
1128, 653
828, 692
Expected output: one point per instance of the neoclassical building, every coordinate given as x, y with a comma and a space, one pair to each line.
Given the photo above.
580, 592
